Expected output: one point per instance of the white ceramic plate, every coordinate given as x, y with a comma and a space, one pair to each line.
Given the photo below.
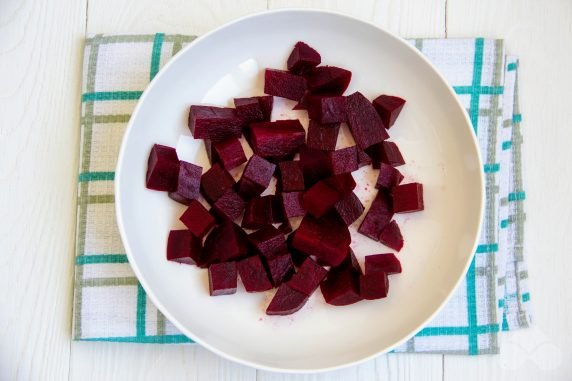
433, 133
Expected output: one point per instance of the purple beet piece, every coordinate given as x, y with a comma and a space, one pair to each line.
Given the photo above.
341, 288
249, 109
214, 123
188, 183
378, 216
374, 286
308, 236
225, 243
387, 263
183, 247
268, 241
328, 80
391, 236
286, 301
298, 257
388, 107
349, 263
408, 198
215, 182
258, 213
320, 198
229, 205
343, 160
292, 204
162, 168
314, 164
253, 275
344, 183
391, 155
284, 84
308, 277
256, 177
363, 158
280, 268
276, 139
335, 241
389, 177
222, 278
290, 177
323, 136
349, 208
229, 153
327, 109
365, 124
197, 219
303, 58
266, 102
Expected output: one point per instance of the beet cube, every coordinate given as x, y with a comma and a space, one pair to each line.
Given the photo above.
214, 123
225, 243
215, 182
229, 205
253, 274
188, 183
378, 216
335, 241
291, 178
197, 219
298, 257
268, 241
341, 288
328, 80
222, 278
162, 168
323, 136
183, 247
256, 177
408, 198
229, 153
343, 183
388, 107
391, 155
286, 301
284, 84
314, 164
327, 109
349, 208
280, 268
277, 210
258, 213
343, 160
363, 158
308, 277
303, 58
292, 204
308, 235
391, 236
387, 263
276, 139
249, 109
349, 263
374, 286
389, 177
320, 198
266, 102
365, 124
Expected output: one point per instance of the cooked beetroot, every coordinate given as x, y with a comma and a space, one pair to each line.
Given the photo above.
183, 247
249, 109
308, 236
268, 241
162, 168
322, 136
363, 158
378, 216
222, 278
335, 241
229, 205
391, 236
365, 124
258, 213
225, 243
343, 160
284, 84
314, 164
408, 198
197, 219
188, 183
286, 301
389, 177
350, 263
327, 109
256, 177
253, 274
328, 80
266, 103
388, 107
214, 123
277, 139
291, 204
343, 183
229, 153
290, 177
298, 257
320, 198
387, 263
308, 277
215, 182
303, 58
280, 268
341, 288
277, 210
391, 155
349, 208
374, 285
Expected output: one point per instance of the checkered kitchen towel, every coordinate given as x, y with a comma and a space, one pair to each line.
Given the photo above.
109, 303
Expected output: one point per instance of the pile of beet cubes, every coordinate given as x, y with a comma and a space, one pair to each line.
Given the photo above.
318, 187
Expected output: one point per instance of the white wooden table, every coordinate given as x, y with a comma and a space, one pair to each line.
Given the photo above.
40, 56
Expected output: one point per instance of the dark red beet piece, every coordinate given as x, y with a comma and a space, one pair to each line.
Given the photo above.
290, 177
258, 213
343, 183
286, 301
389, 177
365, 124
335, 242
327, 109
197, 219
229, 205
229, 153
249, 109
341, 288
214, 123
308, 235
320, 198
280, 268
374, 286
188, 183
256, 177
298, 257
277, 139
350, 263
323, 136
308, 277
378, 216
343, 160
266, 103
349, 208
408, 198
391, 155
363, 158
253, 275
391, 236
183, 247
328, 80
224, 243
388, 107
162, 168
222, 278
314, 164
269, 241
277, 210
387, 263
215, 182
303, 58
284, 84
292, 204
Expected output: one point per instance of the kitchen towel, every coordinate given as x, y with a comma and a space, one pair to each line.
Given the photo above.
109, 303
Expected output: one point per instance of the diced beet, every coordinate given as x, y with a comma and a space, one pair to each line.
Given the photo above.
298, 257
249, 109
365, 124
215, 182
280, 268
344, 183
387, 263
162, 168
285, 227
349, 208
303, 58
277, 139
374, 286
320, 198
258, 213
350, 263
292, 204
314, 164
256, 177
308, 235
329, 80
188, 183
229, 153
224, 243
266, 103
284, 84
286, 301
214, 123
363, 158
389, 177
229, 205
341, 288
197, 219
378, 216
277, 210
269, 241
343, 160
253, 275
408, 198
183, 247
327, 109
323, 136
388, 107
222, 278
308, 277
290, 177
391, 155
391, 236
335, 242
